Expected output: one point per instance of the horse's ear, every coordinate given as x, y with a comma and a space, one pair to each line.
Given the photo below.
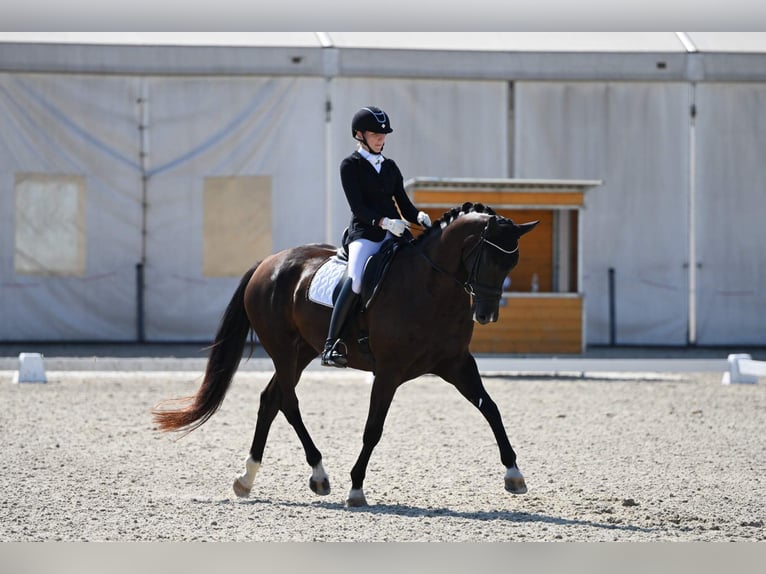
527, 227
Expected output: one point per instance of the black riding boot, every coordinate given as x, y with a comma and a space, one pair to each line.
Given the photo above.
335, 352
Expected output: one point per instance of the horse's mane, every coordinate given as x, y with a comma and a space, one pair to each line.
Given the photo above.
451, 215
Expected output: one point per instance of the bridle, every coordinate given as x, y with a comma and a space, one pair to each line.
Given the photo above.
479, 292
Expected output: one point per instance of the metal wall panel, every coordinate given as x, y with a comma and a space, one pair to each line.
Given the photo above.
83, 127
731, 205
441, 128
203, 127
634, 137
192, 128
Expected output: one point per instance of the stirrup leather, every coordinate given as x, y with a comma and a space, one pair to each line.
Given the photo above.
335, 354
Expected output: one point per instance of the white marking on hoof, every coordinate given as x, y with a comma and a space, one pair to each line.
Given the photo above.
514, 481
244, 483
240, 490
356, 498
319, 481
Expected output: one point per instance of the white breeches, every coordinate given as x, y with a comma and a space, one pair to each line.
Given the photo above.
359, 251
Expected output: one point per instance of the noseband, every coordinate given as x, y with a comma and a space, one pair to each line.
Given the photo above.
471, 285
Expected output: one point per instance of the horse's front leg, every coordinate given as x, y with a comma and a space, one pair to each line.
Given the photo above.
464, 375
381, 395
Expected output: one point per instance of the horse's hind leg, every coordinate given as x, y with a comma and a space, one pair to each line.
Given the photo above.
267, 411
464, 375
278, 395
319, 482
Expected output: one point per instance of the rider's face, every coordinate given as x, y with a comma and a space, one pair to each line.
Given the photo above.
374, 141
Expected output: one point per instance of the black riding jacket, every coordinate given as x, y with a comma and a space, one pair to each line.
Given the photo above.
371, 196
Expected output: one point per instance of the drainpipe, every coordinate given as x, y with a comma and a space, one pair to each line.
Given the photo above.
694, 73
693, 265
143, 155
328, 202
330, 62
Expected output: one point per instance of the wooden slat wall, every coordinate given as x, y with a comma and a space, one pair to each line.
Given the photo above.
536, 248
498, 198
547, 323
533, 325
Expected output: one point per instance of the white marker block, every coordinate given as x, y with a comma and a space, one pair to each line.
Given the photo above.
31, 369
742, 370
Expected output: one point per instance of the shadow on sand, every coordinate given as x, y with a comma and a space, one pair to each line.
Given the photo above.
480, 515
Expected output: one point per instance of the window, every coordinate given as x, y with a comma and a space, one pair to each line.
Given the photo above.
50, 224
237, 224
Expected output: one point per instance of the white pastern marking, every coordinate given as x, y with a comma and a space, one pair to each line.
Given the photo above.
251, 469
319, 474
513, 473
355, 494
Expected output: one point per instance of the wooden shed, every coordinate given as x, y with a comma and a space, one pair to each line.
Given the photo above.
543, 305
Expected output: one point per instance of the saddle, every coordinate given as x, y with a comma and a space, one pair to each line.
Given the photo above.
375, 270
328, 279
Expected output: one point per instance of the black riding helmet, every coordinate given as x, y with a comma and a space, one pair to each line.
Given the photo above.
370, 119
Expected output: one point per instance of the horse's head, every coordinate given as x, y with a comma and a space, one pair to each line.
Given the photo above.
489, 255
488, 248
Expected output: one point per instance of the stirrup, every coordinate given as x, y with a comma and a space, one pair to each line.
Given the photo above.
333, 356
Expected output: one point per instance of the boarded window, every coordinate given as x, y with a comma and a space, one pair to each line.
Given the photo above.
50, 224
237, 224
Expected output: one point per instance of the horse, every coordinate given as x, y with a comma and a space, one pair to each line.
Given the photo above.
447, 278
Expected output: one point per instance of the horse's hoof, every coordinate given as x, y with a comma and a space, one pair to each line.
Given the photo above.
356, 499
516, 486
514, 481
240, 490
320, 487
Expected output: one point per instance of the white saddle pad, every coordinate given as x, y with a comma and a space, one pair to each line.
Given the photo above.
325, 279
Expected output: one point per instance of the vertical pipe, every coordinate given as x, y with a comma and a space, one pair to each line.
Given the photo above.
692, 335
328, 224
140, 331
556, 256
511, 130
330, 61
143, 153
612, 313
580, 282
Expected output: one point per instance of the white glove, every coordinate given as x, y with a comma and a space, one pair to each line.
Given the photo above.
423, 219
395, 226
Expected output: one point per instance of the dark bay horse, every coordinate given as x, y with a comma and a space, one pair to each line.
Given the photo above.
448, 277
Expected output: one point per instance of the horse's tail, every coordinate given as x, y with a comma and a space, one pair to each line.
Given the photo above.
225, 355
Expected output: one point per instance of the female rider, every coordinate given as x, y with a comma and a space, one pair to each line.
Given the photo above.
374, 189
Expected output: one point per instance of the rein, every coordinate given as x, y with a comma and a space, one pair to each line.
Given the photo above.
472, 285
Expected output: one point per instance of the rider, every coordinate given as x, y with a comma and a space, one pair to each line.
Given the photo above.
374, 189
